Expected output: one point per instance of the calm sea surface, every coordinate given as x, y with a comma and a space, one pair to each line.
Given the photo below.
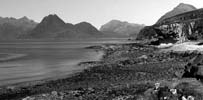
28, 61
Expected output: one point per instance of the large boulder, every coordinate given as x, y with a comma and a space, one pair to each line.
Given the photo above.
147, 32
194, 69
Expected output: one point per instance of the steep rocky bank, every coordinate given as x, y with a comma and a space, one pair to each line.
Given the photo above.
178, 28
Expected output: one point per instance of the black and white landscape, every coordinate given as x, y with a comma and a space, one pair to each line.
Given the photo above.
97, 59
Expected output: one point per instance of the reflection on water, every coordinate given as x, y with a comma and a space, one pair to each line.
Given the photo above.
42, 60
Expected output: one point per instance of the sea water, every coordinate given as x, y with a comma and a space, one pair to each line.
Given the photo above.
22, 61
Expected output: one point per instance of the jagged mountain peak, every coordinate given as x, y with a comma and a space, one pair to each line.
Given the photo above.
51, 19
49, 24
184, 6
54, 27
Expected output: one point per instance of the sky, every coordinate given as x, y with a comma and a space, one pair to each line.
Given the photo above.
96, 12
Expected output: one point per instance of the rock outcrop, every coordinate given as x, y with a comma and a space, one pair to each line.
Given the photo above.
194, 69
179, 28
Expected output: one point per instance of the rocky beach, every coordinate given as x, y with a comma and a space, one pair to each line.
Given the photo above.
57, 58
126, 71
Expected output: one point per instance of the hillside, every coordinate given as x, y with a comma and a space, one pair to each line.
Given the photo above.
179, 28
53, 27
181, 8
48, 27
118, 28
12, 28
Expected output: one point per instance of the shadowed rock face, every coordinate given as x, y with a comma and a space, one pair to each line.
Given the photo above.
182, 27
194, 69
156, 36
147, 32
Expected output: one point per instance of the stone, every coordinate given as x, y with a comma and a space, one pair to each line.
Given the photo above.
194, 68
143, 57
28, 98
55, 93
10, 87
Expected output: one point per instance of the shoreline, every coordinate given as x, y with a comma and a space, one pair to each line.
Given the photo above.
40, 81
126, 70
14, 86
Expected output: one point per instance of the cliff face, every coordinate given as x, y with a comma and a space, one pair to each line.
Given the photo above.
190, 30
179, 28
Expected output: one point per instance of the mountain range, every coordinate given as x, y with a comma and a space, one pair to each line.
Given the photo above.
116, 28
12, 28
53, 27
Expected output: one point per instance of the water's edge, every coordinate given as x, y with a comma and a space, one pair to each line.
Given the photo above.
69, 75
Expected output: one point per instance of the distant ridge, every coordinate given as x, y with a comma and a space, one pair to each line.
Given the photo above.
54, 27
48, 27
87, 28
121, 28
21, 22
12, 28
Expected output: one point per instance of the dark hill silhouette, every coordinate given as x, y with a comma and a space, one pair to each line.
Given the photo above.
48, 27
54, 27
87, 28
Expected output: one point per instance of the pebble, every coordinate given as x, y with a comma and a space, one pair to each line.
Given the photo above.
28, 98
54, 93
